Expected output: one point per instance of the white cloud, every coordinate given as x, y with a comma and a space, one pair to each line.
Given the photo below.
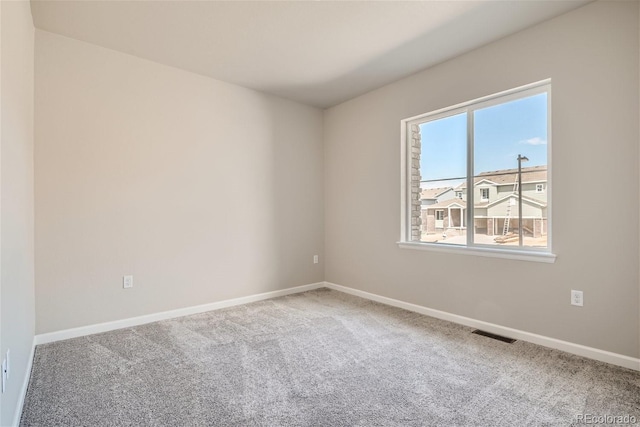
534, 141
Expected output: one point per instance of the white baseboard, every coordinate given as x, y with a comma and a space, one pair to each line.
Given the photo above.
577, 349
25, 385
172, 314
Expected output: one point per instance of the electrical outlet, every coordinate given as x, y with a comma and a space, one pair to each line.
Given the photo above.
315, 259
127, 282
577, 298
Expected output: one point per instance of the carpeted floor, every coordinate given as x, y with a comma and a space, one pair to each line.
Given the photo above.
320, 358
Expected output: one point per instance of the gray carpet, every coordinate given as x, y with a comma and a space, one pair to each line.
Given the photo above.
320, 358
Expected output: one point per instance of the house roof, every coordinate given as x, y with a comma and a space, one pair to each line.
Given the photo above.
463, 204
515, 196
509, 176
448, 203
432, 193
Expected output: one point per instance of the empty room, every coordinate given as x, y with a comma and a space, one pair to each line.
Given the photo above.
319, 213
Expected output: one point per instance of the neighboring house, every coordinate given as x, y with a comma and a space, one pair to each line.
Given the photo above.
495, 204
432, 196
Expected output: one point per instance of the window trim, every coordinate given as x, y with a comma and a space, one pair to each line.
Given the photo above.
471, 248
516, 254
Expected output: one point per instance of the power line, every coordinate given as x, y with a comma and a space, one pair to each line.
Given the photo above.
483, 175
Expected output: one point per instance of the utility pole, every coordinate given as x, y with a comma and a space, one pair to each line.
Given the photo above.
520, 160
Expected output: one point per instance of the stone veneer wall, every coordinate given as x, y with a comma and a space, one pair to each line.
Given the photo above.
416, 220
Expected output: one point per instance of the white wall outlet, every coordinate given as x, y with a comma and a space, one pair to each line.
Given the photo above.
315, 259
4, 374
577, 298
127, 282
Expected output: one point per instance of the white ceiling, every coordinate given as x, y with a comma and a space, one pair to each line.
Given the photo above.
320, 53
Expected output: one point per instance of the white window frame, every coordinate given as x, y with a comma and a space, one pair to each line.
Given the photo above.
539, 188
471, 248
482, 191
440, 212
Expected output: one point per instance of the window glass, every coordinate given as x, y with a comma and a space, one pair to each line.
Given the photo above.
443, 168
501, 133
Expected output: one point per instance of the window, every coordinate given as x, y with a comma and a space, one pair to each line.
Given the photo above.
494, 146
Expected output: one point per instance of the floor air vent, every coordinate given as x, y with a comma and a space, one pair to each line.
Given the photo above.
494, 336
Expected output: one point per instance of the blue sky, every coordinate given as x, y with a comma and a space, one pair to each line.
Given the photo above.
501, 133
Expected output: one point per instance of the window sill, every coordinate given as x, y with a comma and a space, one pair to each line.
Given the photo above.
520, 255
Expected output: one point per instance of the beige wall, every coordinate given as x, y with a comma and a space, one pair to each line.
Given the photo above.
592, 56
16, 198
202, 190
